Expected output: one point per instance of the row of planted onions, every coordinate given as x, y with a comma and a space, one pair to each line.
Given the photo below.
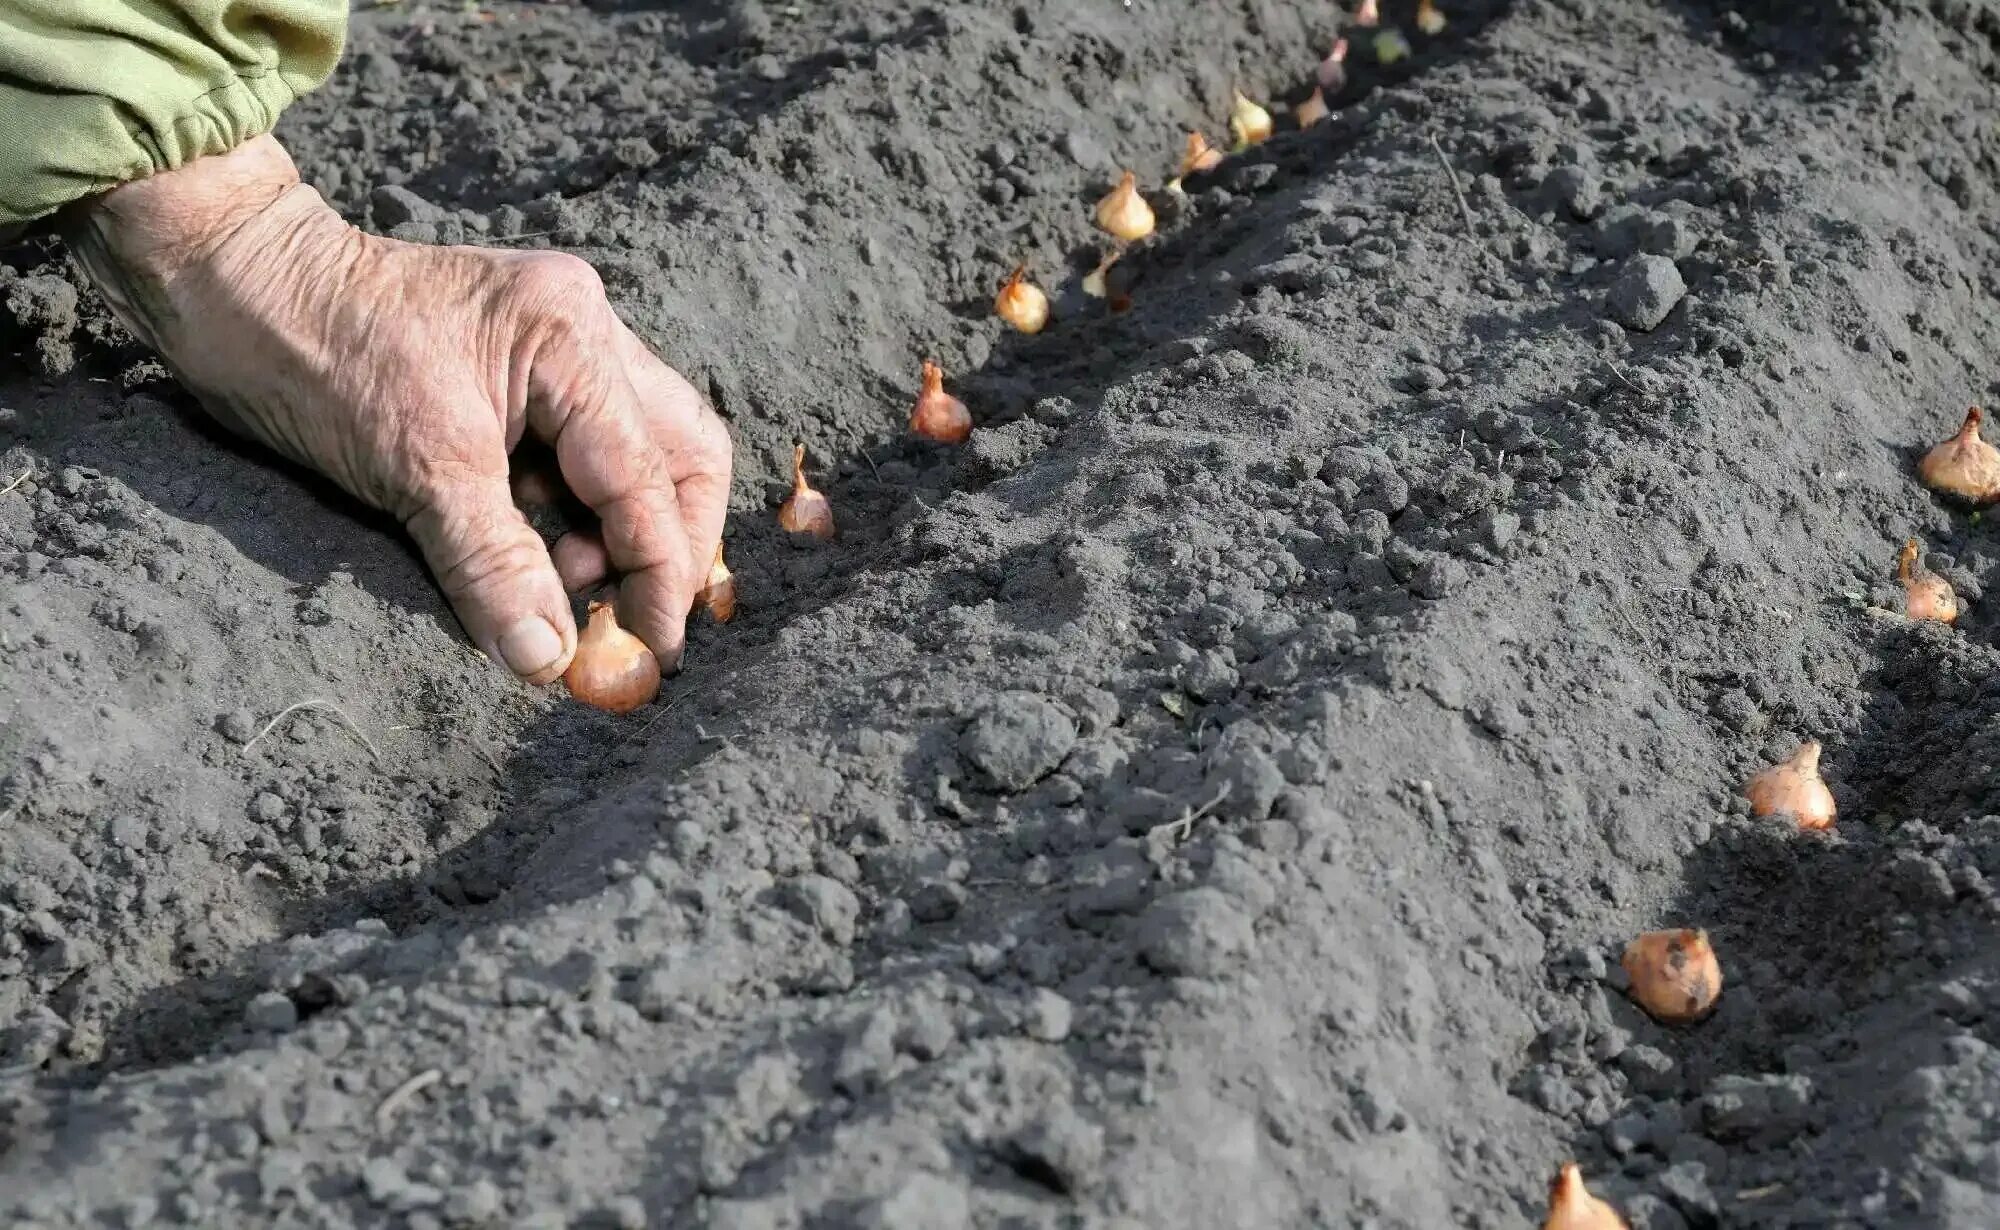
614, 670
1674, 975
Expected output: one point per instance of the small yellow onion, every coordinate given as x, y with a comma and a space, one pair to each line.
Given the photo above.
1793, 788
612, 669
1429, 20
1097, 283
1391, 46
718, 594
1572, 1207
1674, 975
1368, 14
805, 511
1965, 465
1332, 75
1926, 594
1197, 158
1123, 213
938, 416
1249, 123
1021, 303
1312, 110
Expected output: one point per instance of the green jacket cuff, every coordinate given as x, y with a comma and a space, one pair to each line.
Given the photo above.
97, 92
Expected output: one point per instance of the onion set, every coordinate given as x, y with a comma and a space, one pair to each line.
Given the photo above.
1097, 283
612, 670
718, 593
1369, 14
1249, 124
1123, 214
805, 511
1021, 303
938, 416
1793, 788
1429, 20
1312, 110
1926, 595
1572, 1207
1965, 465
1198, 158
1332, 74
1391, 46
1674, 975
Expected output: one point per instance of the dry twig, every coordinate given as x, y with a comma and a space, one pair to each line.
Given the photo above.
1464, 208
401, 1094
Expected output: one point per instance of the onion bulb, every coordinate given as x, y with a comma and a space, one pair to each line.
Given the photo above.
1965, 465
1793, 788
1021, 303
1674, 975
1097, 283
719, 593
1198, 158
1248, 122
805, 511
938, 416
1123, 213
1391, 46
1572, 1207
1926, 594
1429, 20
1312, 110
612, 669
1367, 14
1332, 75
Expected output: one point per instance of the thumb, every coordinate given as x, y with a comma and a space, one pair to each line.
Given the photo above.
497, 575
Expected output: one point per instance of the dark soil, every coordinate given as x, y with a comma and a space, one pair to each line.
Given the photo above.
1216, 795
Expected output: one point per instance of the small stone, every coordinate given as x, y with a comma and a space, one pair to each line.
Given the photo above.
1686, 1184
237, 725
1576, 190
383, 1180
1062, 1151
919, 1202
938, 901
271, 1012
266, 807
395, 205
1645, 292
1017, 740
1437, 577
1048, 1016
476, 1203
1198, 933
1649, 1068
823, 902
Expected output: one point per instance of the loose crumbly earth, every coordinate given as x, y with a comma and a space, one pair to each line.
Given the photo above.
1216, 795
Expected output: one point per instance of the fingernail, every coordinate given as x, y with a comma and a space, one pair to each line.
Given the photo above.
531, 646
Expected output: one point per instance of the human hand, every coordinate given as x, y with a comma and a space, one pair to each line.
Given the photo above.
407, 374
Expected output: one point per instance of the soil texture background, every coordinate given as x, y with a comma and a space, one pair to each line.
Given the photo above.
1215, 795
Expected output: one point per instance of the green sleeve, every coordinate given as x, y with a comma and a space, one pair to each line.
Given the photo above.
97, 92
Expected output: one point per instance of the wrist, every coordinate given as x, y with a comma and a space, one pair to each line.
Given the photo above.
138, 239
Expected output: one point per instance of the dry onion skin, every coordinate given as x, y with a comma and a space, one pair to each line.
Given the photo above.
1123, 214
1965, 465
1249, 124
938, 416
805, 511
612, 670
1332, 74
1793, 788
1572, 1207
1674, 975
1021, 303
718, 594
1429, 20
1926, 595
1312, 110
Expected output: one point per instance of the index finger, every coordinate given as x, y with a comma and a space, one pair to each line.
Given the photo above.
692, 438
584, 402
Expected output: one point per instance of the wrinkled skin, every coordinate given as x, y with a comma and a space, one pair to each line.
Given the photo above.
407, 374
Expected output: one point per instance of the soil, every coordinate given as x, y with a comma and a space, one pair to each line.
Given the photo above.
1215, 795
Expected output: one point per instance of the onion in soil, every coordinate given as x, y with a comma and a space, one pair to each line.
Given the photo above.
612, 669
805, 511
1793, 788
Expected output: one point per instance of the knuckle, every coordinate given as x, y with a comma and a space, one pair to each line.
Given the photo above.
559, 282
